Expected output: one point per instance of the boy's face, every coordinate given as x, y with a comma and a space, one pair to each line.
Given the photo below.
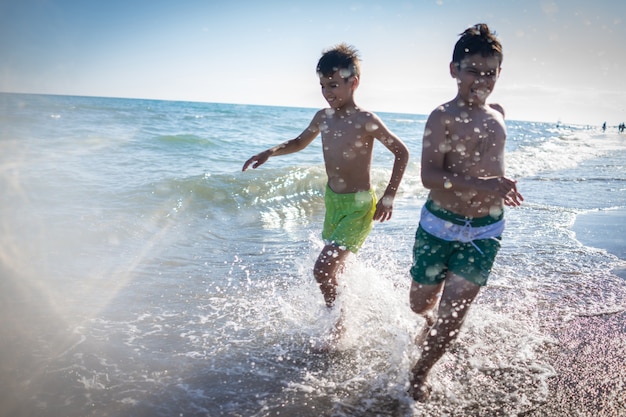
337, 90
476, 77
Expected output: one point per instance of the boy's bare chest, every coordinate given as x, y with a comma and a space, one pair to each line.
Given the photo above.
345, 135
475, 141
476, 149
343, 148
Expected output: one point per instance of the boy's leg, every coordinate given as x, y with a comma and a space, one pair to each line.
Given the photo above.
423, 298
458, 294
328, 266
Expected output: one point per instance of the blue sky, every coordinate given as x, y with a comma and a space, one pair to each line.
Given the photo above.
563, 60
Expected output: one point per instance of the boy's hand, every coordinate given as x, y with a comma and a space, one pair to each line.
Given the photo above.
507, 188
259, 159
384, 209
513, 198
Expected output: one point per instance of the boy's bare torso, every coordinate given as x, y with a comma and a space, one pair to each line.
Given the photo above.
474, 146
347, 144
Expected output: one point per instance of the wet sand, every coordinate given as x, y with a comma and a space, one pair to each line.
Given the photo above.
590, 369
590, 356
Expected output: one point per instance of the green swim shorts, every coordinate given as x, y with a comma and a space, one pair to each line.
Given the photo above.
349, 218
433, 257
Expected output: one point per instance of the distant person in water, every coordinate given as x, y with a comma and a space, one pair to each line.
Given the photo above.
603, 126
462, 220
348, 134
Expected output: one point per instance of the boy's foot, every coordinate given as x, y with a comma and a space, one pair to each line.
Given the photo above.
330, 342
327, 344
419, 389
322, 347
337, 331
420, 393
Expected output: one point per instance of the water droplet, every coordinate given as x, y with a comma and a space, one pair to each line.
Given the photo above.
371, 127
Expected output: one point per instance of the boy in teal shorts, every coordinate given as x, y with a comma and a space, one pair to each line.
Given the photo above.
348, 134
462, 221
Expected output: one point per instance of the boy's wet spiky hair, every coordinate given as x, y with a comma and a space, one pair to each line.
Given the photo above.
477, 39
343, 58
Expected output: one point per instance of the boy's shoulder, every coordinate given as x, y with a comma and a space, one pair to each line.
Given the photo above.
357, 113
449, 107
366, 114
445, 113
452, 109
497, 108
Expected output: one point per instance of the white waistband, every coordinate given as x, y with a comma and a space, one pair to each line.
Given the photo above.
466, 233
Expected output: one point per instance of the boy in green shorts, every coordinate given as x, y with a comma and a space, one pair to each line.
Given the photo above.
462, 221
348, 134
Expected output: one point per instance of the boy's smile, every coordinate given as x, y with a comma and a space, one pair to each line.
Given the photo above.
476, 77
336, 90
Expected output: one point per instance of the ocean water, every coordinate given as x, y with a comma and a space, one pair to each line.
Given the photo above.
143, 274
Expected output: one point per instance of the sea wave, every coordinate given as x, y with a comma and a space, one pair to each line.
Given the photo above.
558, 153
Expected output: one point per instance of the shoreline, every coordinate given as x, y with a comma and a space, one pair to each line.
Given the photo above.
590, 353
604, 229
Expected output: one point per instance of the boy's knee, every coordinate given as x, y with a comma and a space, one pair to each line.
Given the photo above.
320, 274
324, 272
420, 305
322, 266
421, 309
422, 302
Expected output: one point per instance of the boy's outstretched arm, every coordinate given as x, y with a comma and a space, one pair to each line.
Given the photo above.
384, 207
291, 146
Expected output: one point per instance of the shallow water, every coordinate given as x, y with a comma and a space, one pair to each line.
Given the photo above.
143, 274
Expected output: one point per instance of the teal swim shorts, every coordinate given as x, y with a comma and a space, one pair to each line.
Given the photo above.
349, 218
433, 257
